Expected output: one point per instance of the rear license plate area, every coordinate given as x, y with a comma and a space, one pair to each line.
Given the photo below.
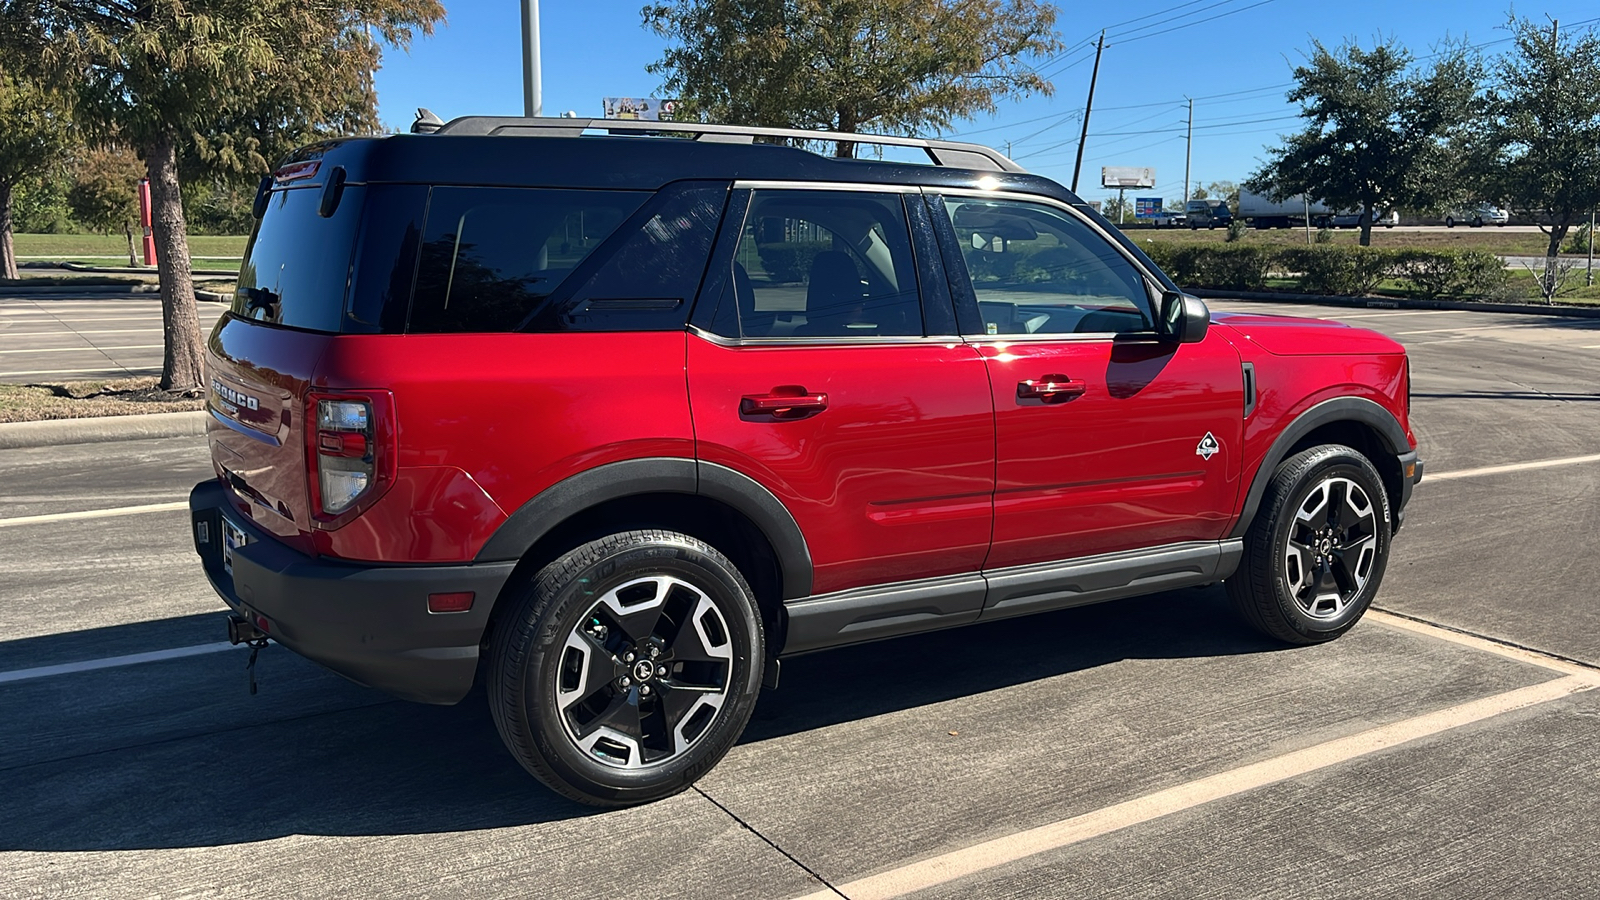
233, 537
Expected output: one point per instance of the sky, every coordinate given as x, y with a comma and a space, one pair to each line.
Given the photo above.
1234, 57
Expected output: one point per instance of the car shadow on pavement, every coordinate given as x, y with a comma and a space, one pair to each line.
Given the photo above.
312, 754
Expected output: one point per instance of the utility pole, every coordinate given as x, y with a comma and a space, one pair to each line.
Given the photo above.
1188, 155
532, 99
1087, 108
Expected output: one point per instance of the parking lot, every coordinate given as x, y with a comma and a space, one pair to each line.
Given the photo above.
67, 338
1447, 746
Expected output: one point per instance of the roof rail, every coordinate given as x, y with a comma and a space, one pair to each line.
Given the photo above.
953, 154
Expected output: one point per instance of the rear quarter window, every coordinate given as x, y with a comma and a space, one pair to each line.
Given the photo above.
534, 259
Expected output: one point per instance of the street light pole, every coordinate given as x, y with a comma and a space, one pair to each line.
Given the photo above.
532, 99
1083, 138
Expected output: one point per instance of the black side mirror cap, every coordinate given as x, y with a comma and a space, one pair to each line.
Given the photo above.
1184, 319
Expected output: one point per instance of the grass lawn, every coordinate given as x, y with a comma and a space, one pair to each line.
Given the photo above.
83, 399
72, 247
1491, 239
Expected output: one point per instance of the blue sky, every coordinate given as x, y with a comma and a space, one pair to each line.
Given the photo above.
1233, 56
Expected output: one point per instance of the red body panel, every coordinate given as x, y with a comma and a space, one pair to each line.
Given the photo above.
484, 422
892, 481
1114, 468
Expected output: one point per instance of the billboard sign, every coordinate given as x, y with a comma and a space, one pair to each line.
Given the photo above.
645, 108
1146, 207
1127, 177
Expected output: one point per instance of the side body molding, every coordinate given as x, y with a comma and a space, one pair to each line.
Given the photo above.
658, 475
1339, 409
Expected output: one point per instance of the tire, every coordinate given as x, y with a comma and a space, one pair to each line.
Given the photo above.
1478, 222
604, 614
1449, 222
1282, 586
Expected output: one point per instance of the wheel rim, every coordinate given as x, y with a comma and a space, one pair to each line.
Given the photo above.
644, 673
1332, 546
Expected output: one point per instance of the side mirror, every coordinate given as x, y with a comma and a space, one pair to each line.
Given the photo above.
1184, 319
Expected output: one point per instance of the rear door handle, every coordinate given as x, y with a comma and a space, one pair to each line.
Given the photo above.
789, 401
1051, 389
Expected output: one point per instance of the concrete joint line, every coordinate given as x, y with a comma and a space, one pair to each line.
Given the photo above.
1001, 851
95, 514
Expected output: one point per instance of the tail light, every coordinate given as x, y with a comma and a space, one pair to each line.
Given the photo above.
350, 452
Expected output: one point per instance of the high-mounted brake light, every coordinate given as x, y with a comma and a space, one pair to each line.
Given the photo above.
298, 171
349, 452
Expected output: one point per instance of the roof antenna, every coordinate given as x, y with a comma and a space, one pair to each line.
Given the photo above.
427, 122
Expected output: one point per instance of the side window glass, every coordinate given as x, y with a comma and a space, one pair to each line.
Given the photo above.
491, 257
1039, 270
648, 282
826, 264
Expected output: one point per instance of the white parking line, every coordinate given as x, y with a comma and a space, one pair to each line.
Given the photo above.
111, 662
1408, 312
94, 513
1512, 467
113, 370
1000, 851
79, 349
150, 329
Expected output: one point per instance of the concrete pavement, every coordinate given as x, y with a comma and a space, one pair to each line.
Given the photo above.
168, 777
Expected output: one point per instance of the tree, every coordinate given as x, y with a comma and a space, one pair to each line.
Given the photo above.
1376, 130
217, 81
34, 138
104, 194
903, 66
1538, 147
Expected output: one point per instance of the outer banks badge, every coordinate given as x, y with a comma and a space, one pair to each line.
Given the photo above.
1208, 447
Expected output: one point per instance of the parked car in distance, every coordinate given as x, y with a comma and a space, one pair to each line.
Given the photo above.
1353, 220
1167, 218
610, 423
1477, 216
1208, 214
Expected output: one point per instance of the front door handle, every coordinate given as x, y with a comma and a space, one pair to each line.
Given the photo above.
1051, 389
789, 401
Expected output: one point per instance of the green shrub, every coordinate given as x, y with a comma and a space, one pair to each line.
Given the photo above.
1236, 230
1578, 241
789, 262
1337, 270
1324, 236
1235, 267
1160, 253
1459, 273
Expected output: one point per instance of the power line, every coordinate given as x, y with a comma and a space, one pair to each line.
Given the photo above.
1199, 22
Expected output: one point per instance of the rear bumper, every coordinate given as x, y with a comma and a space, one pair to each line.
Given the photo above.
369, 623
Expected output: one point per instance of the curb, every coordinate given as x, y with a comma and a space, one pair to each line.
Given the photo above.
142, 270
1582, 312
99, 429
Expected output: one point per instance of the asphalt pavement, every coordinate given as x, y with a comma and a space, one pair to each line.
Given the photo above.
68, 338
1151, 747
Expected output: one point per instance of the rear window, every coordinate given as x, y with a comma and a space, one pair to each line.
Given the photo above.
297, 264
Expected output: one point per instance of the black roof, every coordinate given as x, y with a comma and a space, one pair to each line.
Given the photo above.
628, 162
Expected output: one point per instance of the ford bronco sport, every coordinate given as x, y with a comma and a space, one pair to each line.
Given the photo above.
611, 422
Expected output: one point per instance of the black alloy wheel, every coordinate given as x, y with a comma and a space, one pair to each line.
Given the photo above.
1316, 552
628, 667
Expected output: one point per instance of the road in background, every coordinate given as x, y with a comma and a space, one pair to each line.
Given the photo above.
54, 339
902, 756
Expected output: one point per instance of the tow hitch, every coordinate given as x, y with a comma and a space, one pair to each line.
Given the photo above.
243, 631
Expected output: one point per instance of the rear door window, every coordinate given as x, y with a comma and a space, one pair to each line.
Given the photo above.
826, 264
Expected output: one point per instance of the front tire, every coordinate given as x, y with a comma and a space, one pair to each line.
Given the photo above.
1316, 552
627, 668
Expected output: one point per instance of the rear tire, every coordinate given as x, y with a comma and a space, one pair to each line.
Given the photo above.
627, 668
1315, 555
1449, 222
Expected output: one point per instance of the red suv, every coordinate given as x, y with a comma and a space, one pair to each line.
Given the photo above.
615, 421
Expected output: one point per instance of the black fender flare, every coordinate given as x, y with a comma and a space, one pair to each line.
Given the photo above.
659, 475
1339, 409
